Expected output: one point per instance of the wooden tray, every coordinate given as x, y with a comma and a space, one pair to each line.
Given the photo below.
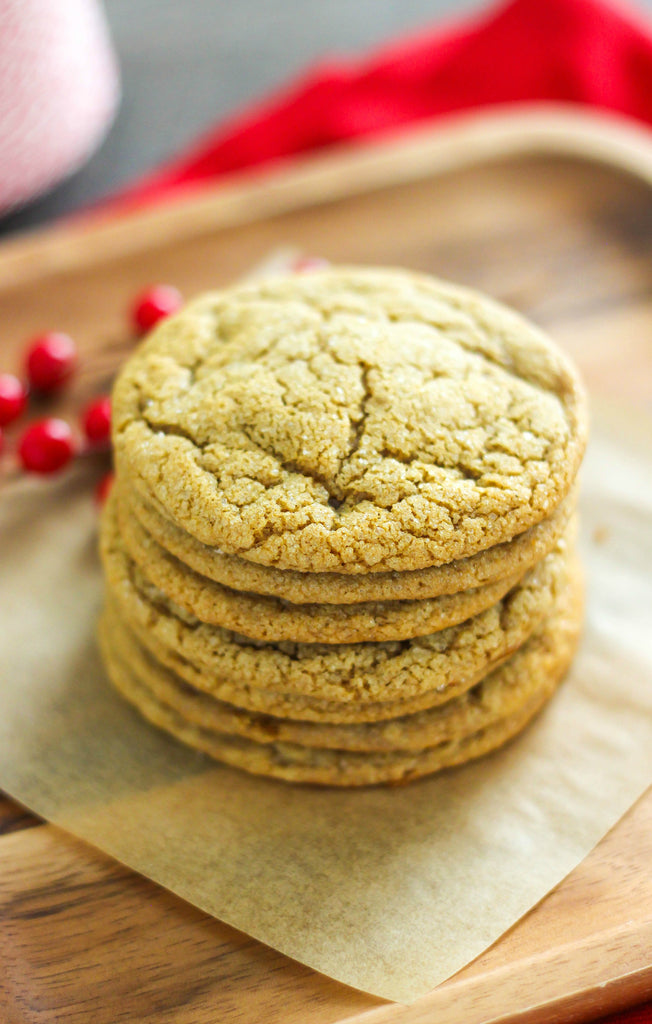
565, 240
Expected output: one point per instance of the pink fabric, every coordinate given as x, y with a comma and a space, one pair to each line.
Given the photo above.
58, 91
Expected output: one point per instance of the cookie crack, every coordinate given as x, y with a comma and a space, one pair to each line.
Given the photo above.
288, 465
175, 430
358, 427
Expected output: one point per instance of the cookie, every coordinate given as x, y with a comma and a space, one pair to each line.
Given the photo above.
240, 693
271, 619
536, 669
501, 694
511, 559
441, 664
349, 420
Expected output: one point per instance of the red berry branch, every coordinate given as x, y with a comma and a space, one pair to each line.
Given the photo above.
46, 446
49, 444
50, 362
96, 421
154, 304
51, 359
13, 398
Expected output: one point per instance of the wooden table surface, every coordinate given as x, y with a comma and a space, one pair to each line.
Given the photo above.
569, 243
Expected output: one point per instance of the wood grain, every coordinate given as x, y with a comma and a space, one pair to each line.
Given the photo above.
567, 242
72, 920
13, 818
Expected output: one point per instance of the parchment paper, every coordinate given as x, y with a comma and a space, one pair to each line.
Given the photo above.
388, 890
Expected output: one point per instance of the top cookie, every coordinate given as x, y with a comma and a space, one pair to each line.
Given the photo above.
351, 420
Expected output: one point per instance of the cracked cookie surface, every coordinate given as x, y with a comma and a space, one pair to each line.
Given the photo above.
349, 421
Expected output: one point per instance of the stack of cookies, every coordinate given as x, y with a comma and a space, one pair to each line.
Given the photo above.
339, 548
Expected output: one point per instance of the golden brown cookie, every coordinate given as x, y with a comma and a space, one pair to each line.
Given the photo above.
511, 559
496, 697
293, 706
349, 420
536, 669
441, 664
271, 619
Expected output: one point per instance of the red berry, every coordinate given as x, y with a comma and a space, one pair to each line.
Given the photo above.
96, 420
304, 264
46, 446
154, 304
103, 488
13, 398
2, 441
51, 359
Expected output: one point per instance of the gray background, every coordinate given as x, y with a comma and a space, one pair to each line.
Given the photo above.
186, 64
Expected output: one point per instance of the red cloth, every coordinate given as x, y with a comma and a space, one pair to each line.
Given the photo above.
577, 51
639, 1015
584, 52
